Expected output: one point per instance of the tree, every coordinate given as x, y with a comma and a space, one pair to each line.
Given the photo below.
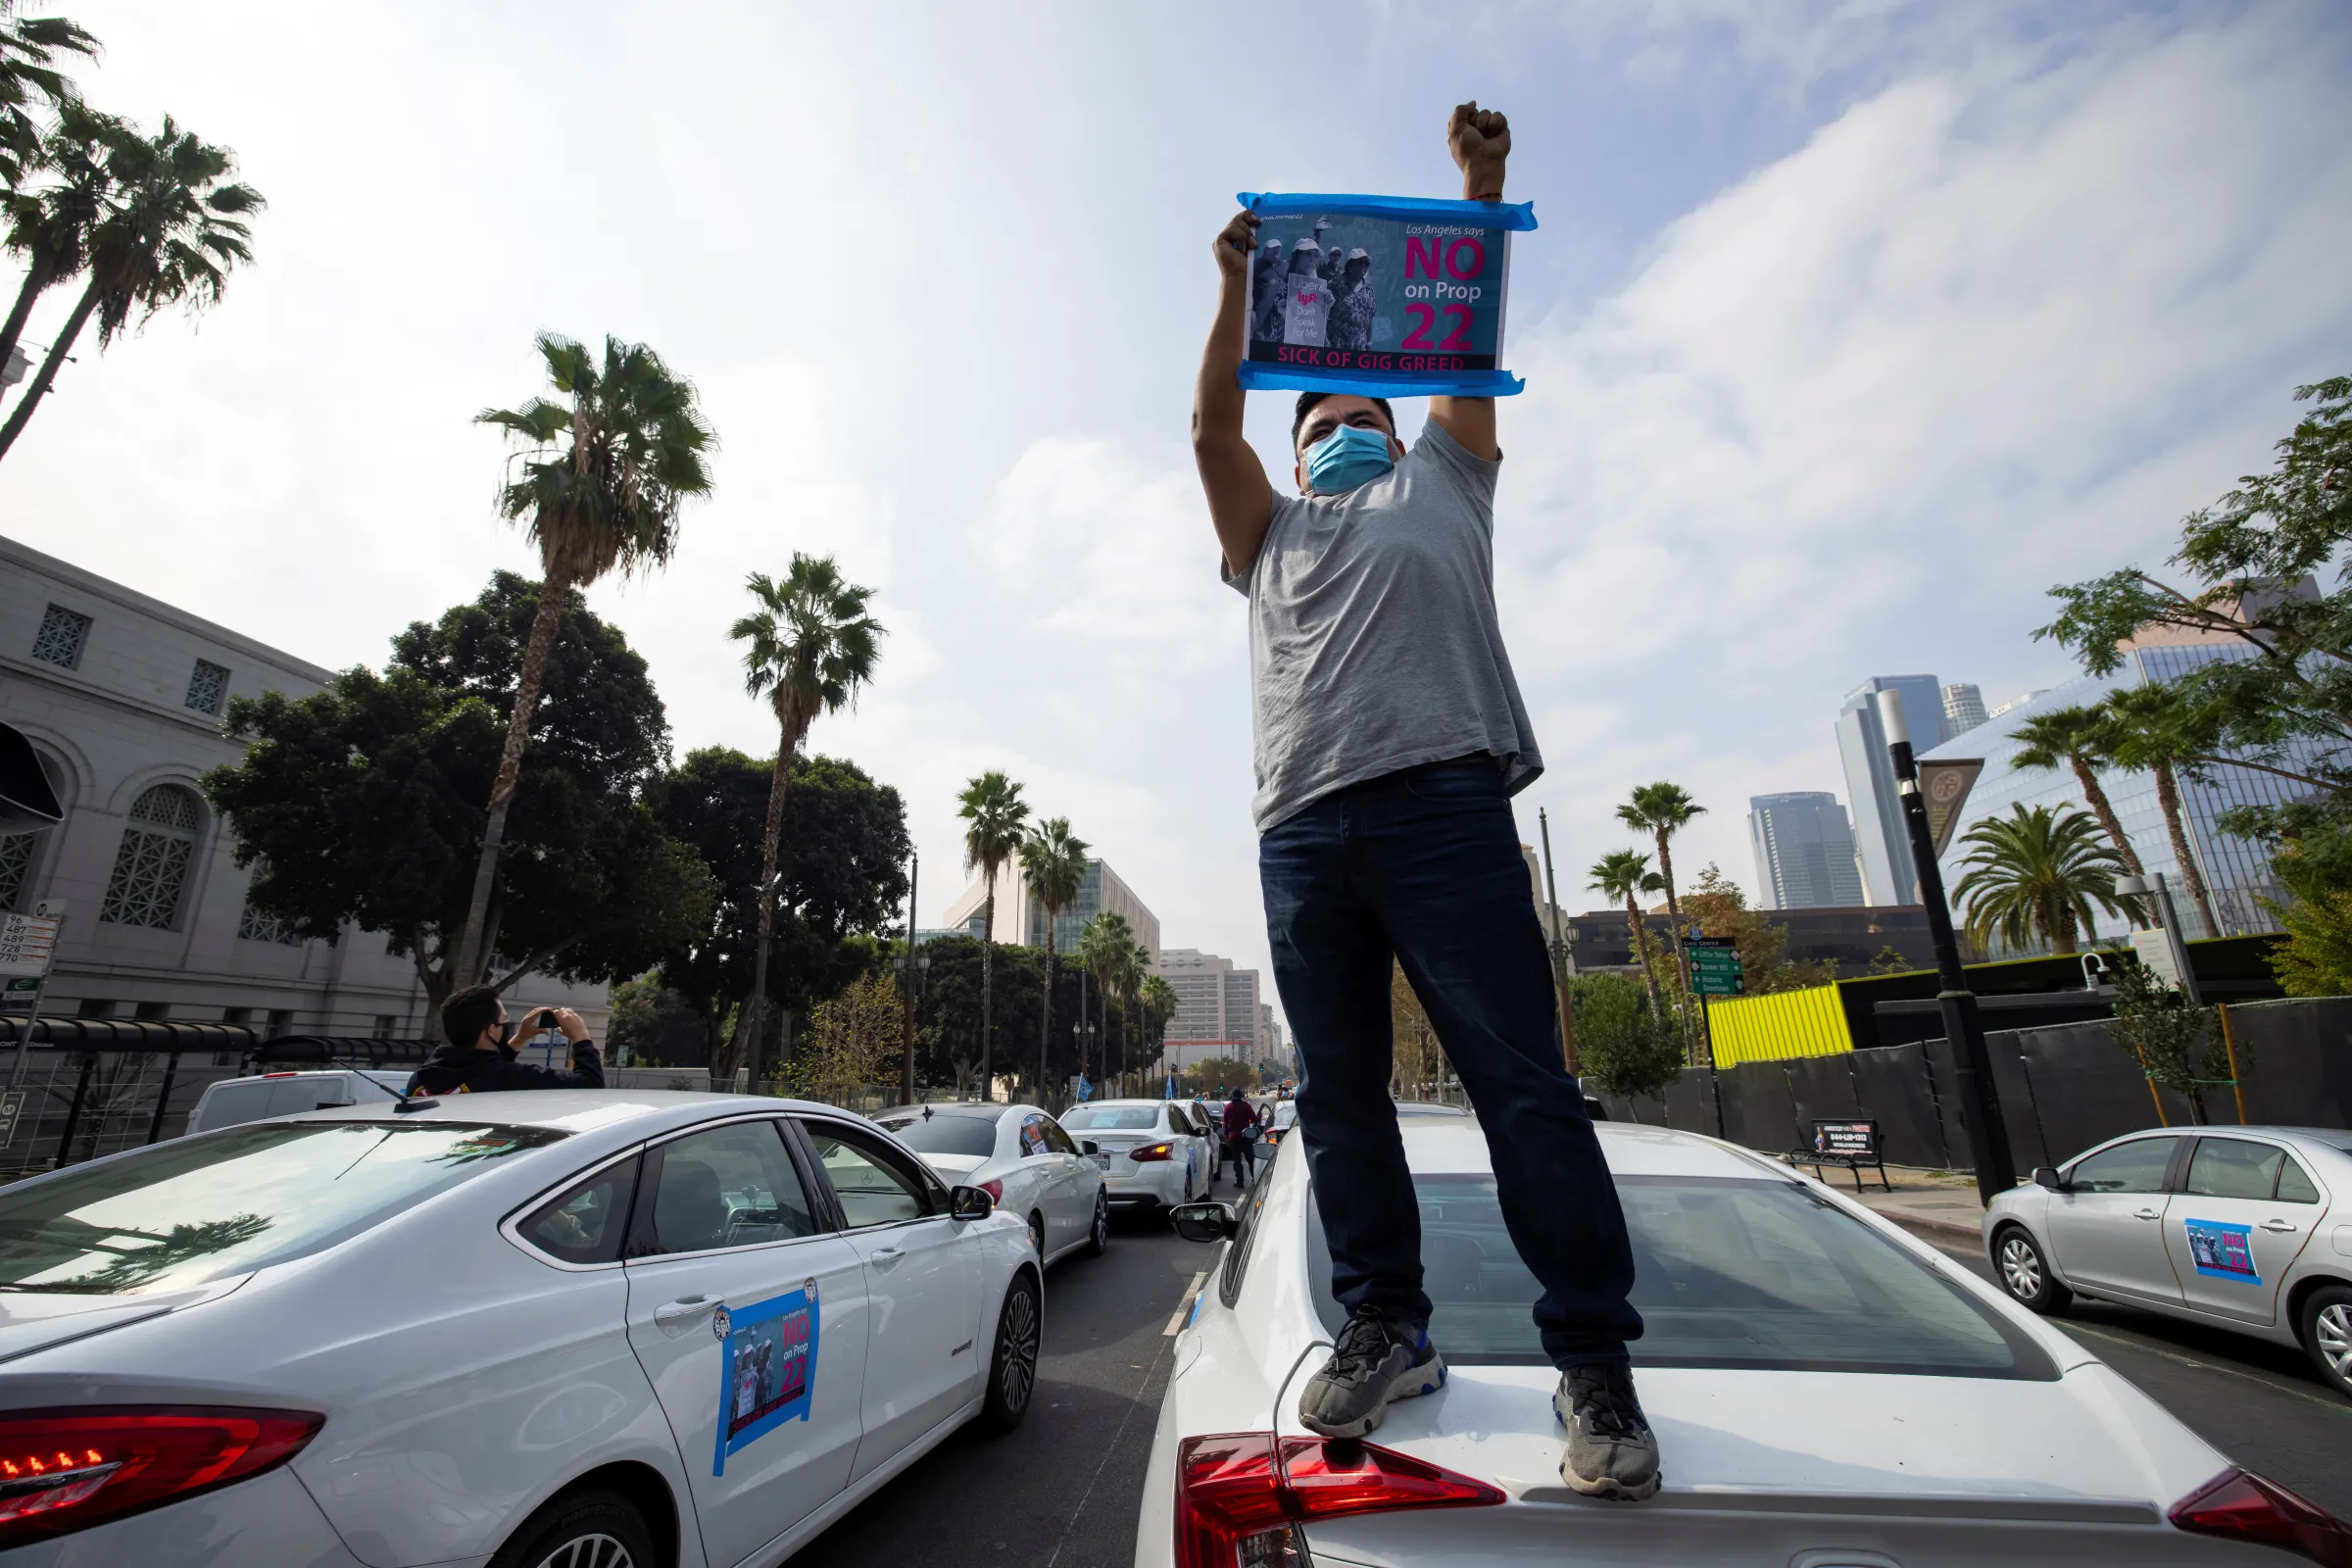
2082, 739
840, 877
2034, 877
1213, 1076
30, 47
851, 1040
172, 227
351, 804
609, 500
1626, 1047
1054, 863
1106, 947
1413, 1050
654, 1026
2172, 1039
50, 227
1663, 809
1155, 1002
1625, 874
1718, 906
2316, 958
993, 815
811, 646
2153, 731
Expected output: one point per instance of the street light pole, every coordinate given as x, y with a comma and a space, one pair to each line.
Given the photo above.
914, 870
1560, 948
1980, 1100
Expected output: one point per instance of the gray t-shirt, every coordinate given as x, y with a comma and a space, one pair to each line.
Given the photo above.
1373, 644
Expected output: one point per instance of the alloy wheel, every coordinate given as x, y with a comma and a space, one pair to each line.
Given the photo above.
1101, 1231
2020, 1268
2331, 1336
598, 1550
1017, 1351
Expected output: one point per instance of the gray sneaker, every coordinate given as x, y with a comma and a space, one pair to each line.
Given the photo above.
1611, 1450
1376, 1361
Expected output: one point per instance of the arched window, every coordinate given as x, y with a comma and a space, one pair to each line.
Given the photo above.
151, 865
20, 853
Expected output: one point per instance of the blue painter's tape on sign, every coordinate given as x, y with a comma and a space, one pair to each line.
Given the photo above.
2223, 1252
767, 1369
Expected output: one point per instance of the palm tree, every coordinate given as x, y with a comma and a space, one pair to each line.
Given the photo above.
811, 646
608, 499
50, 229
1625, 874
1053, 863
28, 51
1127, 983
2153, 732
2079, 738
1156, 999
174, 225
2035, 874
1103, 947
993, 815
1662, 809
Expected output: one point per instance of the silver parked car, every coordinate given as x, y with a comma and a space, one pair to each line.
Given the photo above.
2246, 1228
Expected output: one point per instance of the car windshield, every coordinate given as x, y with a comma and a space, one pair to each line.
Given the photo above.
951, 1134
1728, 1273
1112, 1118
199, 1208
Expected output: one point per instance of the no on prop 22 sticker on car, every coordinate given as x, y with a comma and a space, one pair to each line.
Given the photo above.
767, 1368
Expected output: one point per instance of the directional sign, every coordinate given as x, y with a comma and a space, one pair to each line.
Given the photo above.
25, 942
1715, 968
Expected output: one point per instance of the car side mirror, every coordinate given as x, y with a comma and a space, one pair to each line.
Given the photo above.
970, 1202
1087, 1146
1206, 1221
2044, 1176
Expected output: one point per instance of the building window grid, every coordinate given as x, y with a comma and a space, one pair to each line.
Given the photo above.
254, 926
207, 687
63, 633
15, 865
151, 865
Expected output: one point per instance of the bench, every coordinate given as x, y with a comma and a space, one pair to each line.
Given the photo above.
1848, 1146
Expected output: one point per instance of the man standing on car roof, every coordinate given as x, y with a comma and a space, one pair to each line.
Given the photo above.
1390, 735
480, 1057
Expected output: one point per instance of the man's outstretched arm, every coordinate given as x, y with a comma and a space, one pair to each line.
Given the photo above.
1240, 503
1481, 143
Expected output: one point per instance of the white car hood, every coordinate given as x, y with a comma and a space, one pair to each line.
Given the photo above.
36, 1321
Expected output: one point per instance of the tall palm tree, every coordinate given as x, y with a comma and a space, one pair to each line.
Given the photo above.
1103, 947
993, 815
1625, 874
2035, 874
173, 226
2079, 738
634, 444
2154, 732
1156, 999
810, 647
1053, 863
1662, 809
1127, 979
50, 227
29, 76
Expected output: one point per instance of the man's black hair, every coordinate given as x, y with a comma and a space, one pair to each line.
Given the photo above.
1307, 401
467, 1012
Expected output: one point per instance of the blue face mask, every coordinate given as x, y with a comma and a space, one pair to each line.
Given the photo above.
1349, 456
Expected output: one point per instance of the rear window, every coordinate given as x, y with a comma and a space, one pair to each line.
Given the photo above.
1112, 1118
952, 1134
196, 1209
1728, 1273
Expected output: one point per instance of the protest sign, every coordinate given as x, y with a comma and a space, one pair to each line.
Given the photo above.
1380, 296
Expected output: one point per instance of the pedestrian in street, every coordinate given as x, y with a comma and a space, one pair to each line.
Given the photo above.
1241, 1138
1389, 736
480, 1057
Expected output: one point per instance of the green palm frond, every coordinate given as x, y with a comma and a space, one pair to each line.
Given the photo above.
993, 815
810, 644
30, 76
2054, 740
1662, 807
1055, 861
2034, 877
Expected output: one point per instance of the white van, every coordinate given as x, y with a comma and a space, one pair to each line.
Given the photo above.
232, 1101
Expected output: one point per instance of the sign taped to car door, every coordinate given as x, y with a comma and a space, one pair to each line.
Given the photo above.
767, 1372
1379, 296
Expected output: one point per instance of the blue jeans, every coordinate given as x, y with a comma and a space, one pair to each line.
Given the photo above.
1424, 866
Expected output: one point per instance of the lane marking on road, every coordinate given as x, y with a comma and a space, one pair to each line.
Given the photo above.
1143, 1385
1183, 1308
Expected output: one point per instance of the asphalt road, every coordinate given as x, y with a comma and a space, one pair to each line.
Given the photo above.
1062, 1490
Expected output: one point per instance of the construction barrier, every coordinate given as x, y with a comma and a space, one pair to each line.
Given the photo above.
1780, 1027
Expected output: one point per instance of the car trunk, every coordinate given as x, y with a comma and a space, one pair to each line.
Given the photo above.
38, 1321
1767, 1467
954, 1168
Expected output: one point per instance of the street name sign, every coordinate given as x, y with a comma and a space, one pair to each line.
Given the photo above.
25, 943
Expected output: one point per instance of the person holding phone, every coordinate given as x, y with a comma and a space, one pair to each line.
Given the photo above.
480, 1057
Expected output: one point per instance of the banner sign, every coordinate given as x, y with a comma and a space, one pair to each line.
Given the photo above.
1379, 296
767, 1368
1858, 1140
1944, 786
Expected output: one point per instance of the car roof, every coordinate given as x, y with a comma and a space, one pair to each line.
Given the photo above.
2336, 1140
1098, 1105
970, 1110
577, 1111
1446, 1148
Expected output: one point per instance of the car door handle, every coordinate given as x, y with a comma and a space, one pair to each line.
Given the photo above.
886, 1255
2148, 1214
2280, 1226
676, 1317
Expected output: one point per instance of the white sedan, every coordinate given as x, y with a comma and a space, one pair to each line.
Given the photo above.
1155, 1155
1019, 1156
589, 1326
1825, 1391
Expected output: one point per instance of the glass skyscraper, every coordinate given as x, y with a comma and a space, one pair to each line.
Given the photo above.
1879, 831
1805, 851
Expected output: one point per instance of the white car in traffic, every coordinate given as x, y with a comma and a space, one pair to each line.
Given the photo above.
1825, 1391
568, 1327
1156, 1152
284, 1094
1020, 1157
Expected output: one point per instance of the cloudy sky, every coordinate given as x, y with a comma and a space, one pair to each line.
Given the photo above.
1848, 331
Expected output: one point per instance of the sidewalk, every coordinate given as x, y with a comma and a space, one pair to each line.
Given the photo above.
1935, 1203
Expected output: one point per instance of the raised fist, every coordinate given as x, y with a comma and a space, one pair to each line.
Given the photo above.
1235, 243
1480, 140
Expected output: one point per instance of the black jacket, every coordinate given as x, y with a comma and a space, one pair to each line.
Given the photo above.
464, 1070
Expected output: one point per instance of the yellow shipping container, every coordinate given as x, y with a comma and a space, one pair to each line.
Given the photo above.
1776, 1028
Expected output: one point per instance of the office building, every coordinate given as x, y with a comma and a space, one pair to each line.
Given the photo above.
1215, 1001
1880, 836
1963, 709
1021, 918
1804, 848
121, 696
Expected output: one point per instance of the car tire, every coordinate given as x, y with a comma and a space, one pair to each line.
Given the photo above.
581, 1529
1012, 1363
2018, 1263
2326, 1324
1097, 1235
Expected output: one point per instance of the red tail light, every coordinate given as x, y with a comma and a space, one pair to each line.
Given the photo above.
995, 1191
1153, 1151
67, 1470
1239, 1495
2238, 1507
